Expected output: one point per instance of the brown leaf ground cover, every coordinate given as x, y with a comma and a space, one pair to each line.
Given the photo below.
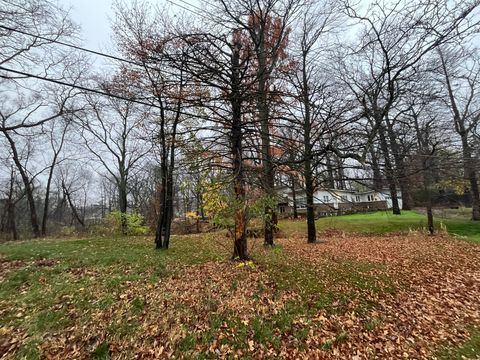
348, 297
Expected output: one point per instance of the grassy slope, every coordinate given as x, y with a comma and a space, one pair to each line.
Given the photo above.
88, 271
84, 273
90, 274
382, 222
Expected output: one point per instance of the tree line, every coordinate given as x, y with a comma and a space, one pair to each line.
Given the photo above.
212, 109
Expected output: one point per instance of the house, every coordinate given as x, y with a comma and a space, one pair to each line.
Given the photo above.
329, 202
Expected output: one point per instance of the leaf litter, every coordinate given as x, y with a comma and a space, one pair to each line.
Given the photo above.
354, 296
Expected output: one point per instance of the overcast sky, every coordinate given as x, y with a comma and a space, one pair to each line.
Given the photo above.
94, 18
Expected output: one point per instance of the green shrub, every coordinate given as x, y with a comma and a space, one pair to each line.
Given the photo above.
128, 224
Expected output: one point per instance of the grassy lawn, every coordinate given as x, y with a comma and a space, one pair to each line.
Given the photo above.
104, 298
382, 222
470, 349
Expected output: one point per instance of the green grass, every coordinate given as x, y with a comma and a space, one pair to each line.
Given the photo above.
88, 275
55, 285
102, 352
382, 222
468, 350
84, 274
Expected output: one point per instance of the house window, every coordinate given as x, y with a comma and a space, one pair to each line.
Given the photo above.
357, 198
326, 198
370, 197
344, 198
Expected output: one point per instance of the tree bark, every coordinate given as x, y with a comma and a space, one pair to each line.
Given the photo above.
240, 250
330, 174
27, 184
47, 197
164, 225
122, 200
389, 175
163, 206
268, 180
75, 213
309, 190
293, 188
340, 175
308, 172
471, 177
377, 174
10, 209
401, 172
161, 213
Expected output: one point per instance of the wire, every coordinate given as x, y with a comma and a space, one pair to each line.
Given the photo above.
186, 8
113, 57
60, 82
96, 91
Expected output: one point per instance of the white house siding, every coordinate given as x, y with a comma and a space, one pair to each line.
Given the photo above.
334, 197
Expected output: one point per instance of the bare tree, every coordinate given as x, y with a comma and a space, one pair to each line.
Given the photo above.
74, 180
114, 133
461, 82
220, 63
144, 36
316, 107
57, 141
8, 220
395, 38
267, 24
27, 31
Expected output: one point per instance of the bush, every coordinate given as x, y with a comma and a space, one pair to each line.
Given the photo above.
135, 223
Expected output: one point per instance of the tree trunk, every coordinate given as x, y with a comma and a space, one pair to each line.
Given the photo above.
401, 172
474, 193
308, 172
377, 174
122, 202
431, 228
160, 234
28, 187
268, 180
340, 175
10, 209
427, 185
169, 209
46, 203
161, 212
390, 177
294, 197
471, 177
72, 205
330, 174
240, 249
309, 189
47, 195
427, 173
